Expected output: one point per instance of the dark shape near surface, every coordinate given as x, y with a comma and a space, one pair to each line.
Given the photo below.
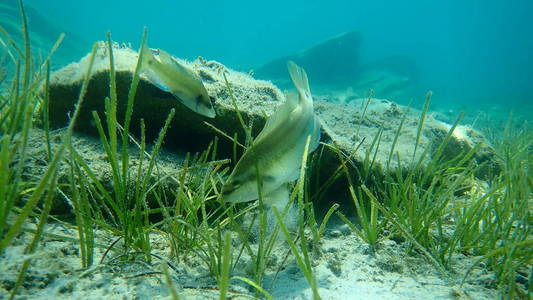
333, 61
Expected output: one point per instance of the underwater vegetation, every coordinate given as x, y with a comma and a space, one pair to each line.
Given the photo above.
433, 202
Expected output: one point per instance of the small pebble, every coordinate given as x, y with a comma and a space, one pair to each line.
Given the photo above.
334, 233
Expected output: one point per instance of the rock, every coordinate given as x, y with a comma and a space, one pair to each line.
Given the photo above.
333, 62
337, 68
343, 124
94, 155
394, 77
188, 130
346, 125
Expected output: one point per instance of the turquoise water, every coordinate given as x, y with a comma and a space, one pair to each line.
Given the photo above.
470, 53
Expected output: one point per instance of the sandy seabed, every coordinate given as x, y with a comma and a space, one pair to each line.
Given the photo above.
344, 266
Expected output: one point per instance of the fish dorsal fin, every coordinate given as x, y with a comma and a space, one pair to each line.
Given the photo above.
155, 80
299, 78
166, 58
279, 116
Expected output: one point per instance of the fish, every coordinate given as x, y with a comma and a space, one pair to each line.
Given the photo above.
172, 76
276, 154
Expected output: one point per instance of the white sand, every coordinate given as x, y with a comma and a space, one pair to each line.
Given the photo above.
346, 269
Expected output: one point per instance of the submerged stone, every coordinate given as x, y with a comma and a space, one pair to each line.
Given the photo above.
336, 66
343, 124
333, 62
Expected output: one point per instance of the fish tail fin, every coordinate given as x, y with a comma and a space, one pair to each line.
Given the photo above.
299, 78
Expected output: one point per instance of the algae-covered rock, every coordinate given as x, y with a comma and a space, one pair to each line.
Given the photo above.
95, 157
348, 125
333, 61
343, 124
188, 131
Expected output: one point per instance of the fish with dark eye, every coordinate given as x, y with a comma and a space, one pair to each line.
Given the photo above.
172, 76
275, 156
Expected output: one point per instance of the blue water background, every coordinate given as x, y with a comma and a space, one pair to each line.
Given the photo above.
469, 52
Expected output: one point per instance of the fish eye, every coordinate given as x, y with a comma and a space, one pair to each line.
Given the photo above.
231, 186
269, 178
236, 183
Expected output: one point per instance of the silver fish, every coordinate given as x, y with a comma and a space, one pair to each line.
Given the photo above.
184, 84
276, 153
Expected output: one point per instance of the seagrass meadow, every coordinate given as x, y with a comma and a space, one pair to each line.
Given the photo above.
111, 188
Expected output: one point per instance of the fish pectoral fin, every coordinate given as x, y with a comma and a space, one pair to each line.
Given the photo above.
279, 116
186, 98
275, 120
155, 80
295, 175
278, 197
166, 58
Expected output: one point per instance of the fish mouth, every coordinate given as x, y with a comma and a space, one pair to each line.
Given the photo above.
229, 187
210, 113
228, 195
205, 110
207, 113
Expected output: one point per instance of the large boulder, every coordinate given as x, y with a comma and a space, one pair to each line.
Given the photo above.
337, 69
343, 124
188, 130
334, 61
